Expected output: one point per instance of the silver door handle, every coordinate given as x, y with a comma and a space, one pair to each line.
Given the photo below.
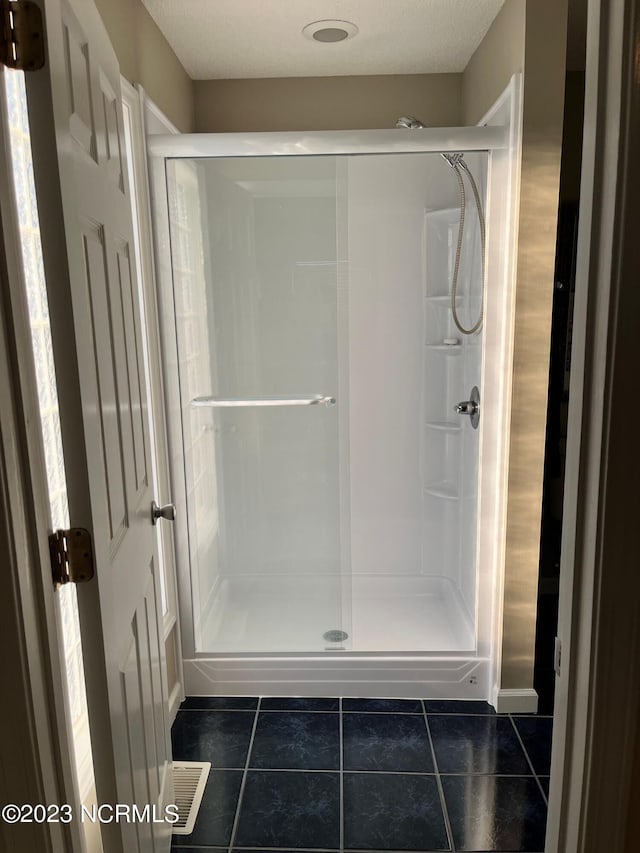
244, 402
168, 512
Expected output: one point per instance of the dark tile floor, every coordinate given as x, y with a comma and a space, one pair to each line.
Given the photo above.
365, 775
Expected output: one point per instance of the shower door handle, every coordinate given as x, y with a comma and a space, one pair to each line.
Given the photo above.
247, 402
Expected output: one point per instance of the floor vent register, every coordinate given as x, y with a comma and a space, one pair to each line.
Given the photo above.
189, 779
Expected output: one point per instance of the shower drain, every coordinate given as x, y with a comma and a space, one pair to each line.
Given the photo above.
335, 636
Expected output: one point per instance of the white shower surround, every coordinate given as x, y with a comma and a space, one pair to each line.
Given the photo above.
455, 674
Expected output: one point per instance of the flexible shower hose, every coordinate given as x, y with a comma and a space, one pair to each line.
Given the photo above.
456, 266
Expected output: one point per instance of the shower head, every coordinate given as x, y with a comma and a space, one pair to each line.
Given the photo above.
409, 122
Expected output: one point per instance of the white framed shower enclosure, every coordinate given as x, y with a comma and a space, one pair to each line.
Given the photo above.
340, 531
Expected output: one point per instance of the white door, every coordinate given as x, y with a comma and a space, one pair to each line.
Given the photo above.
85, 215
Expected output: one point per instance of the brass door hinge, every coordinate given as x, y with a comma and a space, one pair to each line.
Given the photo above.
71, 555
21, 35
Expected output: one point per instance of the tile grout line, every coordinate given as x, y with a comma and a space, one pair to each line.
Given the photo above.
294, 850
445, 812
379, 773
309, 850
236, 819
297, 849
336, 711
266, 710
529, 762
217, 710
341, 776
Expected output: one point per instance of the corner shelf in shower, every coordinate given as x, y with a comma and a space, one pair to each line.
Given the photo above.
445, 490
444, 299
444, 426
450, 349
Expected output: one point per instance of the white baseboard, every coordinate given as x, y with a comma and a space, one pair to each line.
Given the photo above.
522, 701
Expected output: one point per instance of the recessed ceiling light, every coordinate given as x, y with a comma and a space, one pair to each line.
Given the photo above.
330, 31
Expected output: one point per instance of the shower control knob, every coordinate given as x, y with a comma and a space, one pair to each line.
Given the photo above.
470, 407
466, 408
168, 512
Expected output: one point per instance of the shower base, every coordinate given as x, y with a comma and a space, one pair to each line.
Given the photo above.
409, 614
385, 613
409, 636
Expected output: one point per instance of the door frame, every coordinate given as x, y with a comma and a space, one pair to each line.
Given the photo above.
39, 753
597, 711
34, 755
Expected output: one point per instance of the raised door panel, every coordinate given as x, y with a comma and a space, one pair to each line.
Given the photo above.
82, 124
113, 149
102, 340
145, 718
135, 384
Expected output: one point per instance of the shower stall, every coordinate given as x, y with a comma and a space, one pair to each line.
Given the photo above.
330, 461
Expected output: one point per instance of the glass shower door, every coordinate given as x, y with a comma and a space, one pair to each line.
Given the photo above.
255, 256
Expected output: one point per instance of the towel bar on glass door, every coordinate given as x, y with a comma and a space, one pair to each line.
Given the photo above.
236, 402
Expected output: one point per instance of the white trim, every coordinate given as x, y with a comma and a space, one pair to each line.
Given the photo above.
134, 99
394, 141
154, 123
30, 759
160, 217
507, 701
502, 217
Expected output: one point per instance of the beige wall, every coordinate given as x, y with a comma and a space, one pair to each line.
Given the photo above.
326, 103
145, 57
531, 37
498, 57
544, 69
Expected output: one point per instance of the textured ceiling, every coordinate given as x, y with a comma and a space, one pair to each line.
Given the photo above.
263, 38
